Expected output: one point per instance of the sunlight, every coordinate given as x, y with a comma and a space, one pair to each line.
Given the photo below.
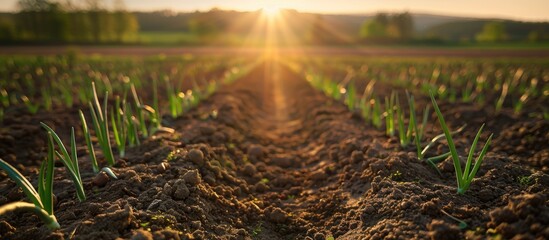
270, 11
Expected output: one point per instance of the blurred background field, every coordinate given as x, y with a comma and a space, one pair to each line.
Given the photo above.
38, 22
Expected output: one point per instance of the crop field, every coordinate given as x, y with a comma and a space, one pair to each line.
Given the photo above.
273, 146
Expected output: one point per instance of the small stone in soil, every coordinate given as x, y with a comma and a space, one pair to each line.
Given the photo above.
255, 152
282, 161
277, 215
206, 130
357, 156
261, 187
196, 224
192, 177
319, 236
141, 235
318, 175
196, 156
101, 179
438, 229
249, 169
180, 190
162, 167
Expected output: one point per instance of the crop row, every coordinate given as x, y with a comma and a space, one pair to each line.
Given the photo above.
402, 121
498, 85
126, 121
45, 83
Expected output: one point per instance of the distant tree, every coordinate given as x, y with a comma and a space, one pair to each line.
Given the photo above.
404, 25
7, 30
125, 24
382, 18
373, 29
42, 20
492, 32
34, 5
205, 25
537, 35
384, 27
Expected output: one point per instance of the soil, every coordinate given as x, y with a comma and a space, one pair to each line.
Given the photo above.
280, 160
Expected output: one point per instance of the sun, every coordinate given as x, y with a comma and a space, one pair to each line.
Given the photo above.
270, 11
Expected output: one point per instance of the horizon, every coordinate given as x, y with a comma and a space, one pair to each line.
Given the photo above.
534, 11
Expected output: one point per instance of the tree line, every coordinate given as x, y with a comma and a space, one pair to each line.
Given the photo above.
87, 21
384, 27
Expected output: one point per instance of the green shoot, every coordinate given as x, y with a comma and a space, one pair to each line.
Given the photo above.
89, 143
33, 108
405, 134
156, 118
69, 160
365, 101
4, 98
350, 96
42, 201
376, 113
101, 125
49, 220
67, 95
139, 108
464, 178
47, 98
133, 125
424, 122
389, 114
436, 139
501, 99
174, 101
119, 126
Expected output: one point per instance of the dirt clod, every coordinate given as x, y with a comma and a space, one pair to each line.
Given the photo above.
277, 215
249, 170
440, 230
141, 235
180, 190
255, 152
192, 177
101, 179
196, 156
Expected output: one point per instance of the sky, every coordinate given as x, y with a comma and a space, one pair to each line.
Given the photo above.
526, 10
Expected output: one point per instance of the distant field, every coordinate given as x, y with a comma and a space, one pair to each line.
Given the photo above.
167, 38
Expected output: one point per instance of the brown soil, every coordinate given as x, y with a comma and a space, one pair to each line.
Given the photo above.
282, 161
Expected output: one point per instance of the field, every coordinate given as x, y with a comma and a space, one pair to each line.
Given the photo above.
166, 38
380, 144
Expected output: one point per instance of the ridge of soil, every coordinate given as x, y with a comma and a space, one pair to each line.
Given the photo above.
269, 157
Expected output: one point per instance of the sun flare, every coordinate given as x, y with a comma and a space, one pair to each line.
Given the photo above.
270, 11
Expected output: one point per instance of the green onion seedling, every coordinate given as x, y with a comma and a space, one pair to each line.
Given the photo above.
33, 108
4, 98
501, 99
465, 177
350, 96
376, 113
69, 160
389, 114
101, 125
89, 143
42, 201
140, 111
